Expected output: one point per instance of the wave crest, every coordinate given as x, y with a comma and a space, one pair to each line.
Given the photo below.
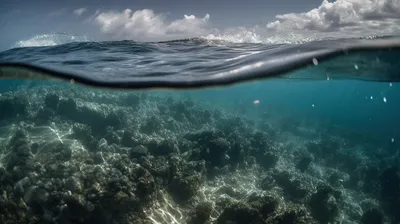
258, 35
51, 39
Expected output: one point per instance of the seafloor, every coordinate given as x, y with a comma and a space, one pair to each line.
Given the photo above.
78, 155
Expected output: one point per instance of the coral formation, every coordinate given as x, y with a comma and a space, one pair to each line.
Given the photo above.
89, 156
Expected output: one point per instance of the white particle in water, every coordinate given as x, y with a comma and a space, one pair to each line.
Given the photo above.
392, 140
356, 67
372, 97
390, 84
315, 61
384, 99
313, 105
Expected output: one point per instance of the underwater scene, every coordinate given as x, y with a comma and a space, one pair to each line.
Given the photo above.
126, 132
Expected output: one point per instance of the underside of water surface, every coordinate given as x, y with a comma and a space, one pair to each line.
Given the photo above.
196, 62
268, 150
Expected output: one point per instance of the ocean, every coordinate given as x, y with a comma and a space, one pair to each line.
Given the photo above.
201, 131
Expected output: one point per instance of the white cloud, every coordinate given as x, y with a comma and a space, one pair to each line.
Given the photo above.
341, 18
79, 11
145, 25
377, 17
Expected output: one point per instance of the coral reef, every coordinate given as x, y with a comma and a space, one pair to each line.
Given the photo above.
79, 155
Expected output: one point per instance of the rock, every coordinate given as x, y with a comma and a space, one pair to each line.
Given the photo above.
230, 125
200, 214
131, 100
265, 205
146, 187
68, 108
237, 155
223, 201
372, 216
44, 115
267, 160
304, 163
34, 147
292, 189
64, 152
36, 197
128, 140
73, 184
51, 101
123, 203
113, 119
76, 209
215, 152
188, 103
162, 108
98, 158
94, 118
139, 150
152, 125
198, 117
100, 216
260, 141
297, 190
163, 148
111, 136
334, 179
324, 204
228, 190
13, 107
371, 183
83, 133
197, 167
183, 188
19, 189
19, 154
217, 114
203, 137
55, 152
239, 212
292, 215
218, 171
178, 107
267, 183
3, 174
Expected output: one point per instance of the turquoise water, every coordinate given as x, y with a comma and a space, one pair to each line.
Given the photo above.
320, 148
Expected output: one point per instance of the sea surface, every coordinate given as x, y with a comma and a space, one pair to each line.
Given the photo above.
201, 131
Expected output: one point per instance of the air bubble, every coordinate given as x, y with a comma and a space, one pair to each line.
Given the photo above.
384, 99
356, 67
315, 61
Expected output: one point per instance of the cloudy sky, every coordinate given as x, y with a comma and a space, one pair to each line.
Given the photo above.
236, 20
